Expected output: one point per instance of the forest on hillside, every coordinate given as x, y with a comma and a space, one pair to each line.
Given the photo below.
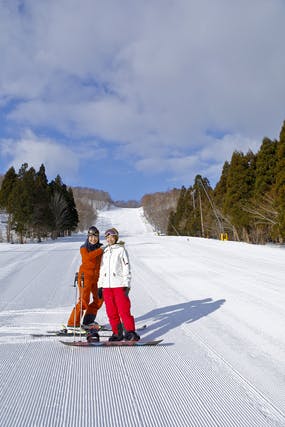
36, 208
247, 204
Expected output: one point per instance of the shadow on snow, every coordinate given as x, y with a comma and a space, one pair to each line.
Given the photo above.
162, 320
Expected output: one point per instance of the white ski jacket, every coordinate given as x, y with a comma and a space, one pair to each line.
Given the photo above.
115, 271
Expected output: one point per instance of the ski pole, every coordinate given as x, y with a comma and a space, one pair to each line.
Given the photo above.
74, 314
82, 286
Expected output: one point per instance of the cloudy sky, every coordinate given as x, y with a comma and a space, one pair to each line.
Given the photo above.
134, 97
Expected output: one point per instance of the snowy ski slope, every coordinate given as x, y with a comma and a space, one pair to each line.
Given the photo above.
219, 307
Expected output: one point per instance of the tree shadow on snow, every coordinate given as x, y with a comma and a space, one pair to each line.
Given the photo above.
162, 320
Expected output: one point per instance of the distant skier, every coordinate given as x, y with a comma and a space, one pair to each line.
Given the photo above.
91, 253
114, 285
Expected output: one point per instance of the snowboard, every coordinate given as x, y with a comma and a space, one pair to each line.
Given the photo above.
71, 333
140, 343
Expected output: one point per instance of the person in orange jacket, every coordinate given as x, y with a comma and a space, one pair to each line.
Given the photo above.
91, 254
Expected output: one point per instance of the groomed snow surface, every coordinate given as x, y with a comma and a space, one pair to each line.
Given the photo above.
219, 307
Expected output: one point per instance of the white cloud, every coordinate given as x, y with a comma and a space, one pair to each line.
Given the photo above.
153, 78
30, 149
215, 149
207, 161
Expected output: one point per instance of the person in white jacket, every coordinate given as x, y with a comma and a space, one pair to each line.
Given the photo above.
114, 285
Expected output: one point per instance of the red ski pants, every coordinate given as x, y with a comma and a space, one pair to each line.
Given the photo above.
118, 308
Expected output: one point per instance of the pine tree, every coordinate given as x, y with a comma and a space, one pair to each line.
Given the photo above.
266, 160
9, 181
42, 215
279, 187
220, 190
194, 214
174, 226
73, 219
240, 185
23, 200
6, 201
65, 216
190, 224
35, 207
261, 205
211, 223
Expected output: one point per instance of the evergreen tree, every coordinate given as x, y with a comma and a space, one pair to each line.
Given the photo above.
240, 185
23, 200
190, 224
6, 201
65, 216
220, 190
171, 229
42, 218
73, 219
210, 221
175, 217
194, 214
9, 181
266, 160
36, 207
279, 187
261, 205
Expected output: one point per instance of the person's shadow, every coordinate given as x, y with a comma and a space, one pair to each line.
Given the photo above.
162, 320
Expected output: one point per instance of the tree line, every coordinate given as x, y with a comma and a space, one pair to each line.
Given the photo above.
247, 203
88, 201
158, 206
35, 207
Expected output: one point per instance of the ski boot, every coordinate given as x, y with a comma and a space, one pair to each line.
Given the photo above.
88, 319
119, 336
116, 337
94, 326
93, 336
131, 336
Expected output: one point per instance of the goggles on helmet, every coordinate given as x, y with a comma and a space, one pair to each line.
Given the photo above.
111, 232
92, 233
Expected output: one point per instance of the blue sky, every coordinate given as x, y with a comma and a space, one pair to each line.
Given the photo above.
138, 97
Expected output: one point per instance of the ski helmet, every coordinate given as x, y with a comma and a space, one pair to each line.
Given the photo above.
112, 232
93, 231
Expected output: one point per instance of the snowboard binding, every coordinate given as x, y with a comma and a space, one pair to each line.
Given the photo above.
93, 336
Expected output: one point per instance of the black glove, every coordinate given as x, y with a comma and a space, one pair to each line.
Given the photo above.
100, 293
127, 290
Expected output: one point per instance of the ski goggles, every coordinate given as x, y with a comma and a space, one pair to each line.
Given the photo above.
92, 233
111, 233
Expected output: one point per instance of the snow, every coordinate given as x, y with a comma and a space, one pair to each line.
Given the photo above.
218, 305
